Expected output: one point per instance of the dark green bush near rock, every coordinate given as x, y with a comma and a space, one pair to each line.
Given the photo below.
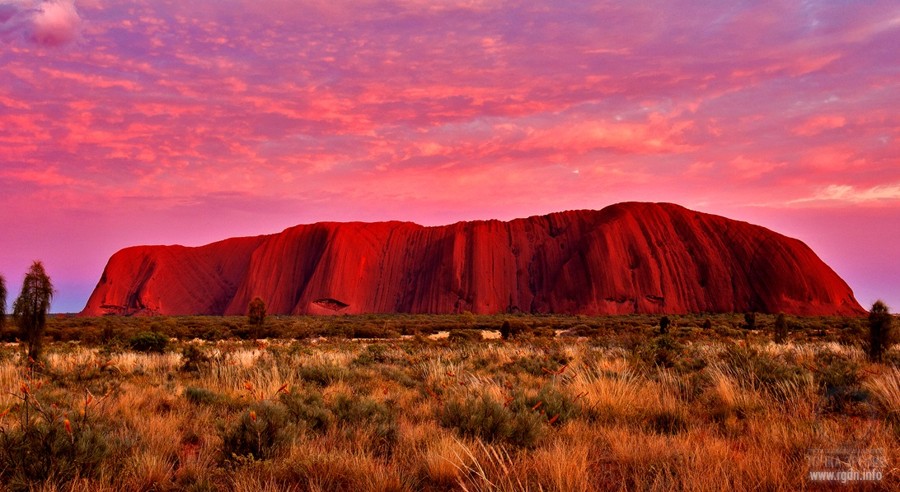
512, 328
149, 341
370, 330
465, 336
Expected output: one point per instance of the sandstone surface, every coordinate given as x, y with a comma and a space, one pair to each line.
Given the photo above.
625, 258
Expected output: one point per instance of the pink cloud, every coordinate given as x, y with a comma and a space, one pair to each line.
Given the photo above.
50, 177
56, 23
45, 22
820, 123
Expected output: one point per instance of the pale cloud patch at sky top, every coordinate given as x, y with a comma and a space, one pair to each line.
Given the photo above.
432, 112
45, 22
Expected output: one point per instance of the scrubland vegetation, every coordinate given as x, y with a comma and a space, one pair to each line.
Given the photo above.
444, 403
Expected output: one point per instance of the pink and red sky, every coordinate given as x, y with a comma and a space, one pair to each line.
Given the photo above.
160, 121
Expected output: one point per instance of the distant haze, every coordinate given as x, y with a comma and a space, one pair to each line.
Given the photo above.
126, 123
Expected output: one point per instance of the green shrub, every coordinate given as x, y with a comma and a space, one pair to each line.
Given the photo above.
662, 351
322, 375
48, 449
202, 396
352, 411
259, 433
768, 372
369, 330
307, 409
465, 336
148, 341
486, 419
538, 366
193, 359
373, 354
550, 402
217, 333
840, 380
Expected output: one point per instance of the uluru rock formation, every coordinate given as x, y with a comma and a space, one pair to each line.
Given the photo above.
626, 258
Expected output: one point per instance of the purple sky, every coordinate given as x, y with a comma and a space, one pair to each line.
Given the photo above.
158, 122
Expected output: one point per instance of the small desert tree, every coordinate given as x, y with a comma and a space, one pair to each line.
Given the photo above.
2, 302
880, 330
750, 320
664, 323
30, 308
781, 328
505, 330
256, 315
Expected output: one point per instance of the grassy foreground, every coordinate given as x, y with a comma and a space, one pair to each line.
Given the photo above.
571, 404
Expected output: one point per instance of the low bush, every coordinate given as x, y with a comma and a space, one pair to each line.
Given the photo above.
840, 380
369, 330
352, 411
202, 396
193, 359
148, 341
259, 433
769, 372
512, 328
373, 354
322, 375
465, 336
663, 351
487, 419
45, 448
307, 409
556, 406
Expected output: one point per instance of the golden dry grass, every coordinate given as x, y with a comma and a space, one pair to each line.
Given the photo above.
374, 415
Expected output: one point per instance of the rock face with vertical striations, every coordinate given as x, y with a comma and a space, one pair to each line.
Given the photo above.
626, 258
